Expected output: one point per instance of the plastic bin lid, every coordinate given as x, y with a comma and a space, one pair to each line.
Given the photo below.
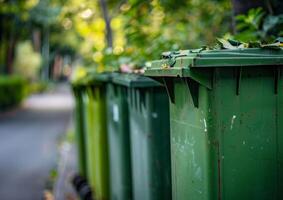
134, 80
181, 63
93, 78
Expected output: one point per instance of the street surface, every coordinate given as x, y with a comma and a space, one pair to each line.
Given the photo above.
29, 139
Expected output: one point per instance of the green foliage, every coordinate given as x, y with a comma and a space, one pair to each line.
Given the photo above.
19, 20
38, 87
234, 44
141, 29
151, 27
12, 91
27, 62
256, 25
44, 14
17, 7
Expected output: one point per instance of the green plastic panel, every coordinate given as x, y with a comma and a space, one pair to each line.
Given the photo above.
96, 141
80, 131
226, 142
150, 143
119, 143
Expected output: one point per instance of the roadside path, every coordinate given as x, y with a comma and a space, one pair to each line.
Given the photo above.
28, 143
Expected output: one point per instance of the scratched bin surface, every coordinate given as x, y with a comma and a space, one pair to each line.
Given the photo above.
226, 118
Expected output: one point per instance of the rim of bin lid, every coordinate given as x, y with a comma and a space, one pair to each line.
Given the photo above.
134, 80
100, 77
181, 62
97, 78
92, 78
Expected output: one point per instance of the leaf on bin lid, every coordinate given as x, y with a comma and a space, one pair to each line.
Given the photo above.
276, 45
166, 54
225, 44
235, 42
242, 46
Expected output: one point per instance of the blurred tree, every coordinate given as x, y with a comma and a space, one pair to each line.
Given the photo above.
13, 14
22, 20
143, 29
42, 16
110, 33
258, 20
27, 68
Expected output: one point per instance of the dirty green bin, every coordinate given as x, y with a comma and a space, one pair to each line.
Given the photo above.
226, 117
79, 128
119, 142
94, 100
149, 135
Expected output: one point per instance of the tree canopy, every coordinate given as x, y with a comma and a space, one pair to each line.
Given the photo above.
108, 33
141, 30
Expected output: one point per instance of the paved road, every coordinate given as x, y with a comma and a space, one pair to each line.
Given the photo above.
28, 144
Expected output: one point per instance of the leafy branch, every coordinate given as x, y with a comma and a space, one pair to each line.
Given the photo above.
257, 25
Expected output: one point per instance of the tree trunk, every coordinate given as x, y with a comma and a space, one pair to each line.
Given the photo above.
2, 45
36, 38
11, 45
10, 55
45, 53
107, 20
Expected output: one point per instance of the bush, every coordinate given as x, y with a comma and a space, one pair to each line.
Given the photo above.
12, 91
38, 87
27, 61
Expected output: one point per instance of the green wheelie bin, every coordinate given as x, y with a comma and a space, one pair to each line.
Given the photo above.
119, 142
226, 122
94, 101
148, 108
77, 89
